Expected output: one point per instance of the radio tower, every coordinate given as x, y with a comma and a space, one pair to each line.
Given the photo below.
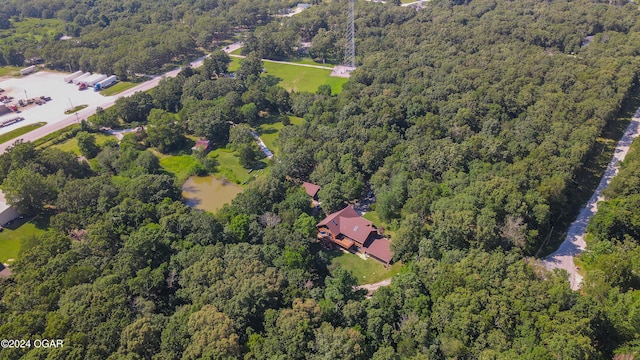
350, 47
349, 61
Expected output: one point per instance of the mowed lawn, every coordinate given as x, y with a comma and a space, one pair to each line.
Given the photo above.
269, 133
366, 271
228, 166
12, 236
117, 88
298, 78
71, 145
19, 132
375, 219
9, 71
181, 166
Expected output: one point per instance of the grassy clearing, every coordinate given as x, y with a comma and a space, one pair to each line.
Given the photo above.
298, 78
19, 132
181, 166
270, 132
71, 145
12, 236
375, 219
367, 271
31, 30
117, 88
9, 71
228, 166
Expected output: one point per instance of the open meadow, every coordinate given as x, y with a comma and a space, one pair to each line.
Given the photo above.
298, 78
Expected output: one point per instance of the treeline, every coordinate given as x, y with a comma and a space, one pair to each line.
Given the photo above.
125, 38
613, 255
469, 123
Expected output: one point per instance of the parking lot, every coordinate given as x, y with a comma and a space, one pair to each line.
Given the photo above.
45, 83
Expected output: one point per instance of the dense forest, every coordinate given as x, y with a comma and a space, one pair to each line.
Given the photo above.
470, 122
127, 37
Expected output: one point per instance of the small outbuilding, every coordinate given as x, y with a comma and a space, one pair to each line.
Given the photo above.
202, 144
7, 212
311, 189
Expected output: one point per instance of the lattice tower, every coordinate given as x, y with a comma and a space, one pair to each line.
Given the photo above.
350, 47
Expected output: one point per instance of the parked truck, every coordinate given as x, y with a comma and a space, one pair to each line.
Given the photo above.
70, 77
96, 78
81, 78
105, 83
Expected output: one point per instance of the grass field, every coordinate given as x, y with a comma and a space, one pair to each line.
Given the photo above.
19, 131
9, 71
228, 166
270, 132
298, 78
12, 236
71, 145
31, 30
181, 166
367, 271
117, 88
375, 219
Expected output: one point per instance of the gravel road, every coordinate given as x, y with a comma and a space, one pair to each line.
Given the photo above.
574, 242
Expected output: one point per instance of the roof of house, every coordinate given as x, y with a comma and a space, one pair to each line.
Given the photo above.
201, 143
348, 223
380, 248
311, 189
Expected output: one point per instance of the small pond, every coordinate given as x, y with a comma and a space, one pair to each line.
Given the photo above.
208, 192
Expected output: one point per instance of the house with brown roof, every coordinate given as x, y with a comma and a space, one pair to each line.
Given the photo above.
311, 189
202, 144
354, 233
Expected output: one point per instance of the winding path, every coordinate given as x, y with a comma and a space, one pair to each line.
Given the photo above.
371, 288
574, 243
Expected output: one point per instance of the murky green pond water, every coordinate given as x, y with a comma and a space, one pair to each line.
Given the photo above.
208, 192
